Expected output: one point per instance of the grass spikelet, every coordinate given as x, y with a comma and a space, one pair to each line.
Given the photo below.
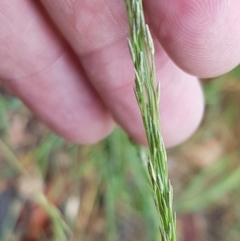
147, 93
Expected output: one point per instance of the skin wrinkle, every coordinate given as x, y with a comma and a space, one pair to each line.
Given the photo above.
55, 67
92, 29
42, 70
28, 48
112, 26
27, 28
109, 75
111, 17
3, 18
25, 68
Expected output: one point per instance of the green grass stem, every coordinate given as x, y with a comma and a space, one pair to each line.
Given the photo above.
148, 95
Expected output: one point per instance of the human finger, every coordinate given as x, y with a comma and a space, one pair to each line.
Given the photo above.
201, 37
39, 67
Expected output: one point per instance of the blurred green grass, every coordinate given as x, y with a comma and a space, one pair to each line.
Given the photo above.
109, 179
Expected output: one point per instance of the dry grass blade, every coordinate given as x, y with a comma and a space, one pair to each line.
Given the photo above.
148, 95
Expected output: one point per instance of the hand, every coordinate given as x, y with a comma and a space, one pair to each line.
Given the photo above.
69, 62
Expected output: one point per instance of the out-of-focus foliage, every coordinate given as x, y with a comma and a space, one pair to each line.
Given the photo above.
102, 192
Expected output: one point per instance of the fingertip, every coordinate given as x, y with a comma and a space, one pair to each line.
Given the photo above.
180, 117
188, 115
201, 37
84, 135
181, 108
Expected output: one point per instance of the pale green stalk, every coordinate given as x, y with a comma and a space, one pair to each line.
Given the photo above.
148, 95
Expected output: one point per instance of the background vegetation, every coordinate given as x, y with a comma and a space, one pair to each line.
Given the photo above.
53, 190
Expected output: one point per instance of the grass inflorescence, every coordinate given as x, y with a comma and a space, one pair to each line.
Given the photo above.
148, 95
